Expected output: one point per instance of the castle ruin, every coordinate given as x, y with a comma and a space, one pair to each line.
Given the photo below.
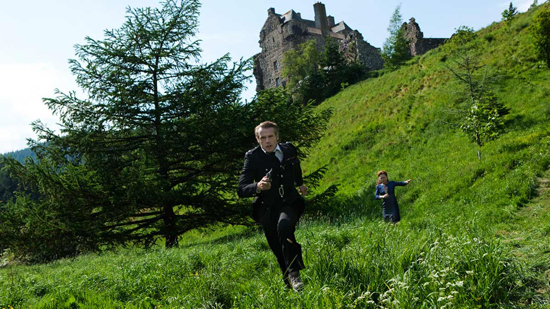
418, 44
281, 33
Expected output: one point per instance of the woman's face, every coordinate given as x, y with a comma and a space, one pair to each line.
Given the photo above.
383, 178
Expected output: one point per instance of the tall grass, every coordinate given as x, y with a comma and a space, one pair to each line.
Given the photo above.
351, 262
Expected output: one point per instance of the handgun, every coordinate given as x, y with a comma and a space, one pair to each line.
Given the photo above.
268, 174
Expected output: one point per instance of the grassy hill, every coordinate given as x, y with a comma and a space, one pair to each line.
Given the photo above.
474, 234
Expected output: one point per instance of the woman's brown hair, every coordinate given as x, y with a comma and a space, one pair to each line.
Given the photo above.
382, 172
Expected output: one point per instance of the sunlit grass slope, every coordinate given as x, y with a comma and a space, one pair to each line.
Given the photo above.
454, 248
407, 122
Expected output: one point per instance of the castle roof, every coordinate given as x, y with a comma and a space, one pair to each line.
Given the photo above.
341, 26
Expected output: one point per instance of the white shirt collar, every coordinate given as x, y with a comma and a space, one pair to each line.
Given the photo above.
276, 149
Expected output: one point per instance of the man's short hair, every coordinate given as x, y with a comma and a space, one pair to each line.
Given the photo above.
266, 125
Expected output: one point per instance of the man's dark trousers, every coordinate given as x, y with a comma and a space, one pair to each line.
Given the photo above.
279, 232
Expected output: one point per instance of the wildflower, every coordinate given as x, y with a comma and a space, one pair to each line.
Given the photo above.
460, 283
470, 272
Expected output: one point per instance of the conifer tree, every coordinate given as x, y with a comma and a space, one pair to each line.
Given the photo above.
396, 50
510, 13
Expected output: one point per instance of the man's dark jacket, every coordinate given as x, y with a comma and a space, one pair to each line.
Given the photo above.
287, 173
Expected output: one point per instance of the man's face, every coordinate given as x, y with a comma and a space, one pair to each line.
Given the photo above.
267, 138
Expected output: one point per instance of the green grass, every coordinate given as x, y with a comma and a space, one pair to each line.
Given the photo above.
473, 234
350, 262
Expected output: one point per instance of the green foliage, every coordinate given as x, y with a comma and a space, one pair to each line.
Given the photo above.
510, 13
301, 67
484, 120
540, 29
315, 75
396, 50
461, 41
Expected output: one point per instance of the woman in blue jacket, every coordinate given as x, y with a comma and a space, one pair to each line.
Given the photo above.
385, 190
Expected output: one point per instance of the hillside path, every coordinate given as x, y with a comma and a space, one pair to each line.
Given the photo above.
529, 235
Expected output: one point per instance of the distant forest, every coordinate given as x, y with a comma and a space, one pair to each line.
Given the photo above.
20, 155
7, 184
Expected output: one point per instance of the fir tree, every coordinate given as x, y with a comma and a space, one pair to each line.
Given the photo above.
396, 50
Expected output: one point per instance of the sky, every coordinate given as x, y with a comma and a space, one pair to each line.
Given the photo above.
37, 38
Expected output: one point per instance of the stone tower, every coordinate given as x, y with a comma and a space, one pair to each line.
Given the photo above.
418, 44
283, 32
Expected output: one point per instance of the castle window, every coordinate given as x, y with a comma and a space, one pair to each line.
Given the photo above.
275, 65
284, 84
273, 39
277, 82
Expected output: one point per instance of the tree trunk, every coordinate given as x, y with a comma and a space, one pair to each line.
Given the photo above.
170, 226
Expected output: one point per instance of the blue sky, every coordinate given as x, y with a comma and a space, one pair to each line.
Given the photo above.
37, 39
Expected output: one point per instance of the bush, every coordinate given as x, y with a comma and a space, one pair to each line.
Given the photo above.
540, 29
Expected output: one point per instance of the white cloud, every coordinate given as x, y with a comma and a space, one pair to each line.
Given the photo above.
21, 102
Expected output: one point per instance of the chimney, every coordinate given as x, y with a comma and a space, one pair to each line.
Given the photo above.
330, 20
321, 18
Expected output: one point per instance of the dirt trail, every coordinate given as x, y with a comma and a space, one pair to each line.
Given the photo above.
529, 235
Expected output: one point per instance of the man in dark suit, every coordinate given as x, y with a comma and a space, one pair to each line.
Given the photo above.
271, 174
